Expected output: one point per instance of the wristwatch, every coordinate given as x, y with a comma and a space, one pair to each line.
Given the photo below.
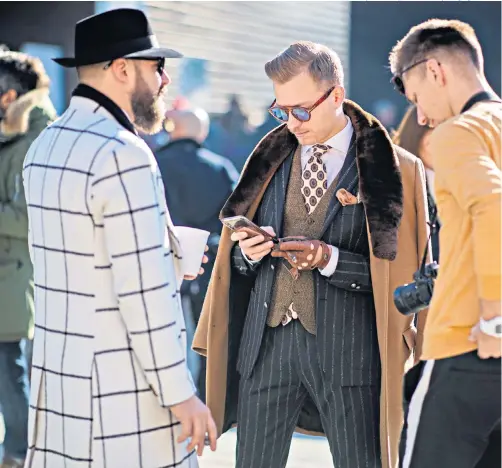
492, 327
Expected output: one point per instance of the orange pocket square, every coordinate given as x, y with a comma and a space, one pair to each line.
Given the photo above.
346, 198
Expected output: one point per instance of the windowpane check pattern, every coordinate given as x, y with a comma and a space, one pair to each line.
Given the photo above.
110, 344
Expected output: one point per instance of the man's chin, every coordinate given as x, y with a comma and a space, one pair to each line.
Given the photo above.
305, 139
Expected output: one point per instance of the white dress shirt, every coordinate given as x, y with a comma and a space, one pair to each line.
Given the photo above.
333, 161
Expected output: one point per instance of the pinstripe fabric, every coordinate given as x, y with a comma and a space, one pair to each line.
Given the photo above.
345, 313
338, 369
109, 353
286, 375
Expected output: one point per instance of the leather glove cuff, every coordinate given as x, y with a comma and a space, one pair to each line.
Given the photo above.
325, 257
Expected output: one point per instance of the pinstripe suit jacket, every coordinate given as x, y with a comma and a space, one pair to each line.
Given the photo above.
345, 314
109, 351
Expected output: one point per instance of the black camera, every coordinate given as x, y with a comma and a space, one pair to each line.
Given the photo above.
413, 297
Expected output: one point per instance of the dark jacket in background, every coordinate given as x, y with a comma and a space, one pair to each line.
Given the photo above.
197, 183
23, 122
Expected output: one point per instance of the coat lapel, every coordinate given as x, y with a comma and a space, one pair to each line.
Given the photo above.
379, 177
347, 179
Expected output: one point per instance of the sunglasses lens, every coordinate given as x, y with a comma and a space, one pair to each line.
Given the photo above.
301, 114
279, 114
398, 83
161, 65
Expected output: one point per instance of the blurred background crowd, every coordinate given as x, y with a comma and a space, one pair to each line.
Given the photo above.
220, 94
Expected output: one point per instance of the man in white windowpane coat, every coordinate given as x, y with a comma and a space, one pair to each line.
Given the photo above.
110, 383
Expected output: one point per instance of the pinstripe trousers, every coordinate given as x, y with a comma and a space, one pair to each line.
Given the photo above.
270, 400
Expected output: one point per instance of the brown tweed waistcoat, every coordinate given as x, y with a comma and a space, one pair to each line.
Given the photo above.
297, 222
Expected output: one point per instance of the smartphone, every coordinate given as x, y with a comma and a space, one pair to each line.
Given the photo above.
241, 223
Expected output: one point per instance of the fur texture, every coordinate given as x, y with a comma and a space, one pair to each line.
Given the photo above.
17, 117
380, 185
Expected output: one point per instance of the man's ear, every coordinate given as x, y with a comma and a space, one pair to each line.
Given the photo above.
122, 69
436, 72
339, 95
8, 98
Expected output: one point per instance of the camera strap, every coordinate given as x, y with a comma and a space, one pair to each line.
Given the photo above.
478, 97
432, 226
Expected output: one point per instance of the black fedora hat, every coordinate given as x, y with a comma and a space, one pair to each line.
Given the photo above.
114, 34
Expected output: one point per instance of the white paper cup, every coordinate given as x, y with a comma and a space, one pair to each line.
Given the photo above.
193, 243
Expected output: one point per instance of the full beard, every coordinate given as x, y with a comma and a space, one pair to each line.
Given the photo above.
148, 108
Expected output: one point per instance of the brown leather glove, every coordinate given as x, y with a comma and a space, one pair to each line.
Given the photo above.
303, 253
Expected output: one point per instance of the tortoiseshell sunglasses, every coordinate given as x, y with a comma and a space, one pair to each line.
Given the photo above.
281, 113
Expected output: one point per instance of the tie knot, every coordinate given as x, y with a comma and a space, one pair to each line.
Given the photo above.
320, 150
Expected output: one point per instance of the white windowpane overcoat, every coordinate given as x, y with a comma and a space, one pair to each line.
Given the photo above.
110, 346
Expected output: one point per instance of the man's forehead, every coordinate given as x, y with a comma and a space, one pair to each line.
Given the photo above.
296, 94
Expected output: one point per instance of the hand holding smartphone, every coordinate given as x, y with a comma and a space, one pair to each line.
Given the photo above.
254, 241
242, 224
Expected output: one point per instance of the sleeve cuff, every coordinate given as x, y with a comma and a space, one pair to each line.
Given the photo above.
333, 262
182, 390
251, 262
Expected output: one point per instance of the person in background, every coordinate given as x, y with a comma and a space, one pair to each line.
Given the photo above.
230, 135
414, 138
25, 110
197, 183
454, 418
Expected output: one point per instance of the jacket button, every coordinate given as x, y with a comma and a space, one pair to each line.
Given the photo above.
310, 221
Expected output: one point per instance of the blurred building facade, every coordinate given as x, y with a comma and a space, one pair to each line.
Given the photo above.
231, 41
227, 43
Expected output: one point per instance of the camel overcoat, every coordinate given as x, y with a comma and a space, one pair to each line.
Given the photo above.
392, 190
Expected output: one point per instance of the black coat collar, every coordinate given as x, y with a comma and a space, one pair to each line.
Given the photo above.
380, 185
118, 114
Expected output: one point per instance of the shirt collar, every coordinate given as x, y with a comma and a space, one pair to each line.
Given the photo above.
339, 142
118, 114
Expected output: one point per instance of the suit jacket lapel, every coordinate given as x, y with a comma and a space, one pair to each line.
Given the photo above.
275, 198
347, 179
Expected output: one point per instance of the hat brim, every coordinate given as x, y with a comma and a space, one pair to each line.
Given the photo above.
156, 52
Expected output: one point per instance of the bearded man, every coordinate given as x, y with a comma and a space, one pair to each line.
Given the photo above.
110, 382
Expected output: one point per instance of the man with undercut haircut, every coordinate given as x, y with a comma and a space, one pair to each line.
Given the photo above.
454, 417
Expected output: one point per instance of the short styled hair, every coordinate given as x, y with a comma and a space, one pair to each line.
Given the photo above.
435, 34
322, 64
21, 72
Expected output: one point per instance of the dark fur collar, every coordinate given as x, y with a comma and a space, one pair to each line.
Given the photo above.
380, 184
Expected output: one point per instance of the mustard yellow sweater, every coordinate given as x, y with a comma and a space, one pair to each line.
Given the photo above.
468, 186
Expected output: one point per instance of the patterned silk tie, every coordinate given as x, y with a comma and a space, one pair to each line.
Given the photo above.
315, 178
